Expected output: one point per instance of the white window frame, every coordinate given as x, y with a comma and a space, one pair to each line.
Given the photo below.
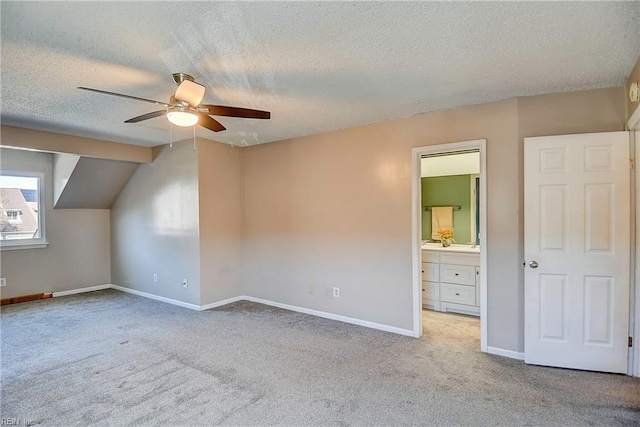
40, 242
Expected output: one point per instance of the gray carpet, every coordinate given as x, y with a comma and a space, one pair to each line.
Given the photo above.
110, 358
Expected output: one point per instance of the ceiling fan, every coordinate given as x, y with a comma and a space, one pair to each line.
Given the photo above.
184, 108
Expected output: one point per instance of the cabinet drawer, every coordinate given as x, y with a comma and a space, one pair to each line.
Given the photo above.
459, 294
430, 256
461, 259
430, 290
430, 272
460, 274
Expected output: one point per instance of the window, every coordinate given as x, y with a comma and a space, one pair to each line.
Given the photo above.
21, 217
13, 215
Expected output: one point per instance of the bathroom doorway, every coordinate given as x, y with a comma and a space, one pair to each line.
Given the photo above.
450, 278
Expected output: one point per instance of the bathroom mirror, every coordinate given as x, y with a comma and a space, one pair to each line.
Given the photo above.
452, 179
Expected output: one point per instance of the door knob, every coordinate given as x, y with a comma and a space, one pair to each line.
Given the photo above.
533, 264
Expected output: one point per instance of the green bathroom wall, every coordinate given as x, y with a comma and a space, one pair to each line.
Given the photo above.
448, 191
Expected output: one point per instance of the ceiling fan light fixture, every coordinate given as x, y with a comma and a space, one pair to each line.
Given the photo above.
181, 116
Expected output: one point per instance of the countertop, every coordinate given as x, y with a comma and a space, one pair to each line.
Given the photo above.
453, 248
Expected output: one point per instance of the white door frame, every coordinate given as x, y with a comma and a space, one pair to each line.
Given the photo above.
633, 125
416, 221
634, 307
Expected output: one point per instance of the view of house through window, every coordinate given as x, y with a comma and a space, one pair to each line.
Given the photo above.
19, 208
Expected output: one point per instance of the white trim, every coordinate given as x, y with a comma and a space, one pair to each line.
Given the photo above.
416, 239
309, 311
156, 297
484, 314
416, 229
40, 242
506, 353
472, 204
635, 308
81, 290
223, 302
332, 316
24, 244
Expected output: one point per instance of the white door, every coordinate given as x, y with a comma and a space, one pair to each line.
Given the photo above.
577, 243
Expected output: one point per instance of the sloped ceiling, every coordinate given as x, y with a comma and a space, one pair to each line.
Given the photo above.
315, 66
88, 183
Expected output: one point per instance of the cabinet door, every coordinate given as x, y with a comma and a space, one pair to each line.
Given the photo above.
430, 290
430, 272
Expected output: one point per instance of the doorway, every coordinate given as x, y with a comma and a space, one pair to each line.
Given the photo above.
478, 232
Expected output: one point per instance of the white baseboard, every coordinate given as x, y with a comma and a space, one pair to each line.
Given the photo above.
323, 314
332, 316
156, 297
81, 290
506, 353
223, 302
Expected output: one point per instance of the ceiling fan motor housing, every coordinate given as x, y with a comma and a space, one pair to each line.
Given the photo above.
180, 77
190, 93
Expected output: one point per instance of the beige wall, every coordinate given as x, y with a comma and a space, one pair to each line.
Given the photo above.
598, 110
52, 142
221, 220
335, 209
78, 253
154, 227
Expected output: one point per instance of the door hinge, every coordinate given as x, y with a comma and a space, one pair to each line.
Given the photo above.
630, 342
632, 163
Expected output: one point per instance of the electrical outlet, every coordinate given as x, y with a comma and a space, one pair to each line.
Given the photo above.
155, 277
336, 292
3, 282
311, 289
185, 283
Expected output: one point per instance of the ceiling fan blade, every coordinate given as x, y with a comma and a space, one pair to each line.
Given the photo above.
125, 96
147, 116
221, 110
210, 123
190, 92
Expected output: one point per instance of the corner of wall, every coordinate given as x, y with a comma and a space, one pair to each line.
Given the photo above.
221, 220
154, 227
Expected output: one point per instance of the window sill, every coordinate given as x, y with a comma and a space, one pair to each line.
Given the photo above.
23, 245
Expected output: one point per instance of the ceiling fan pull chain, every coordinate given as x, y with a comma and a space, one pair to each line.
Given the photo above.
194, 138
170, 135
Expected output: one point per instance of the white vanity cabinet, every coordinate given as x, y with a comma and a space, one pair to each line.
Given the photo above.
450, 280
431, 280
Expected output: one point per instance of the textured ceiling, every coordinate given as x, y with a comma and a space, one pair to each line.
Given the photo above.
315, 66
